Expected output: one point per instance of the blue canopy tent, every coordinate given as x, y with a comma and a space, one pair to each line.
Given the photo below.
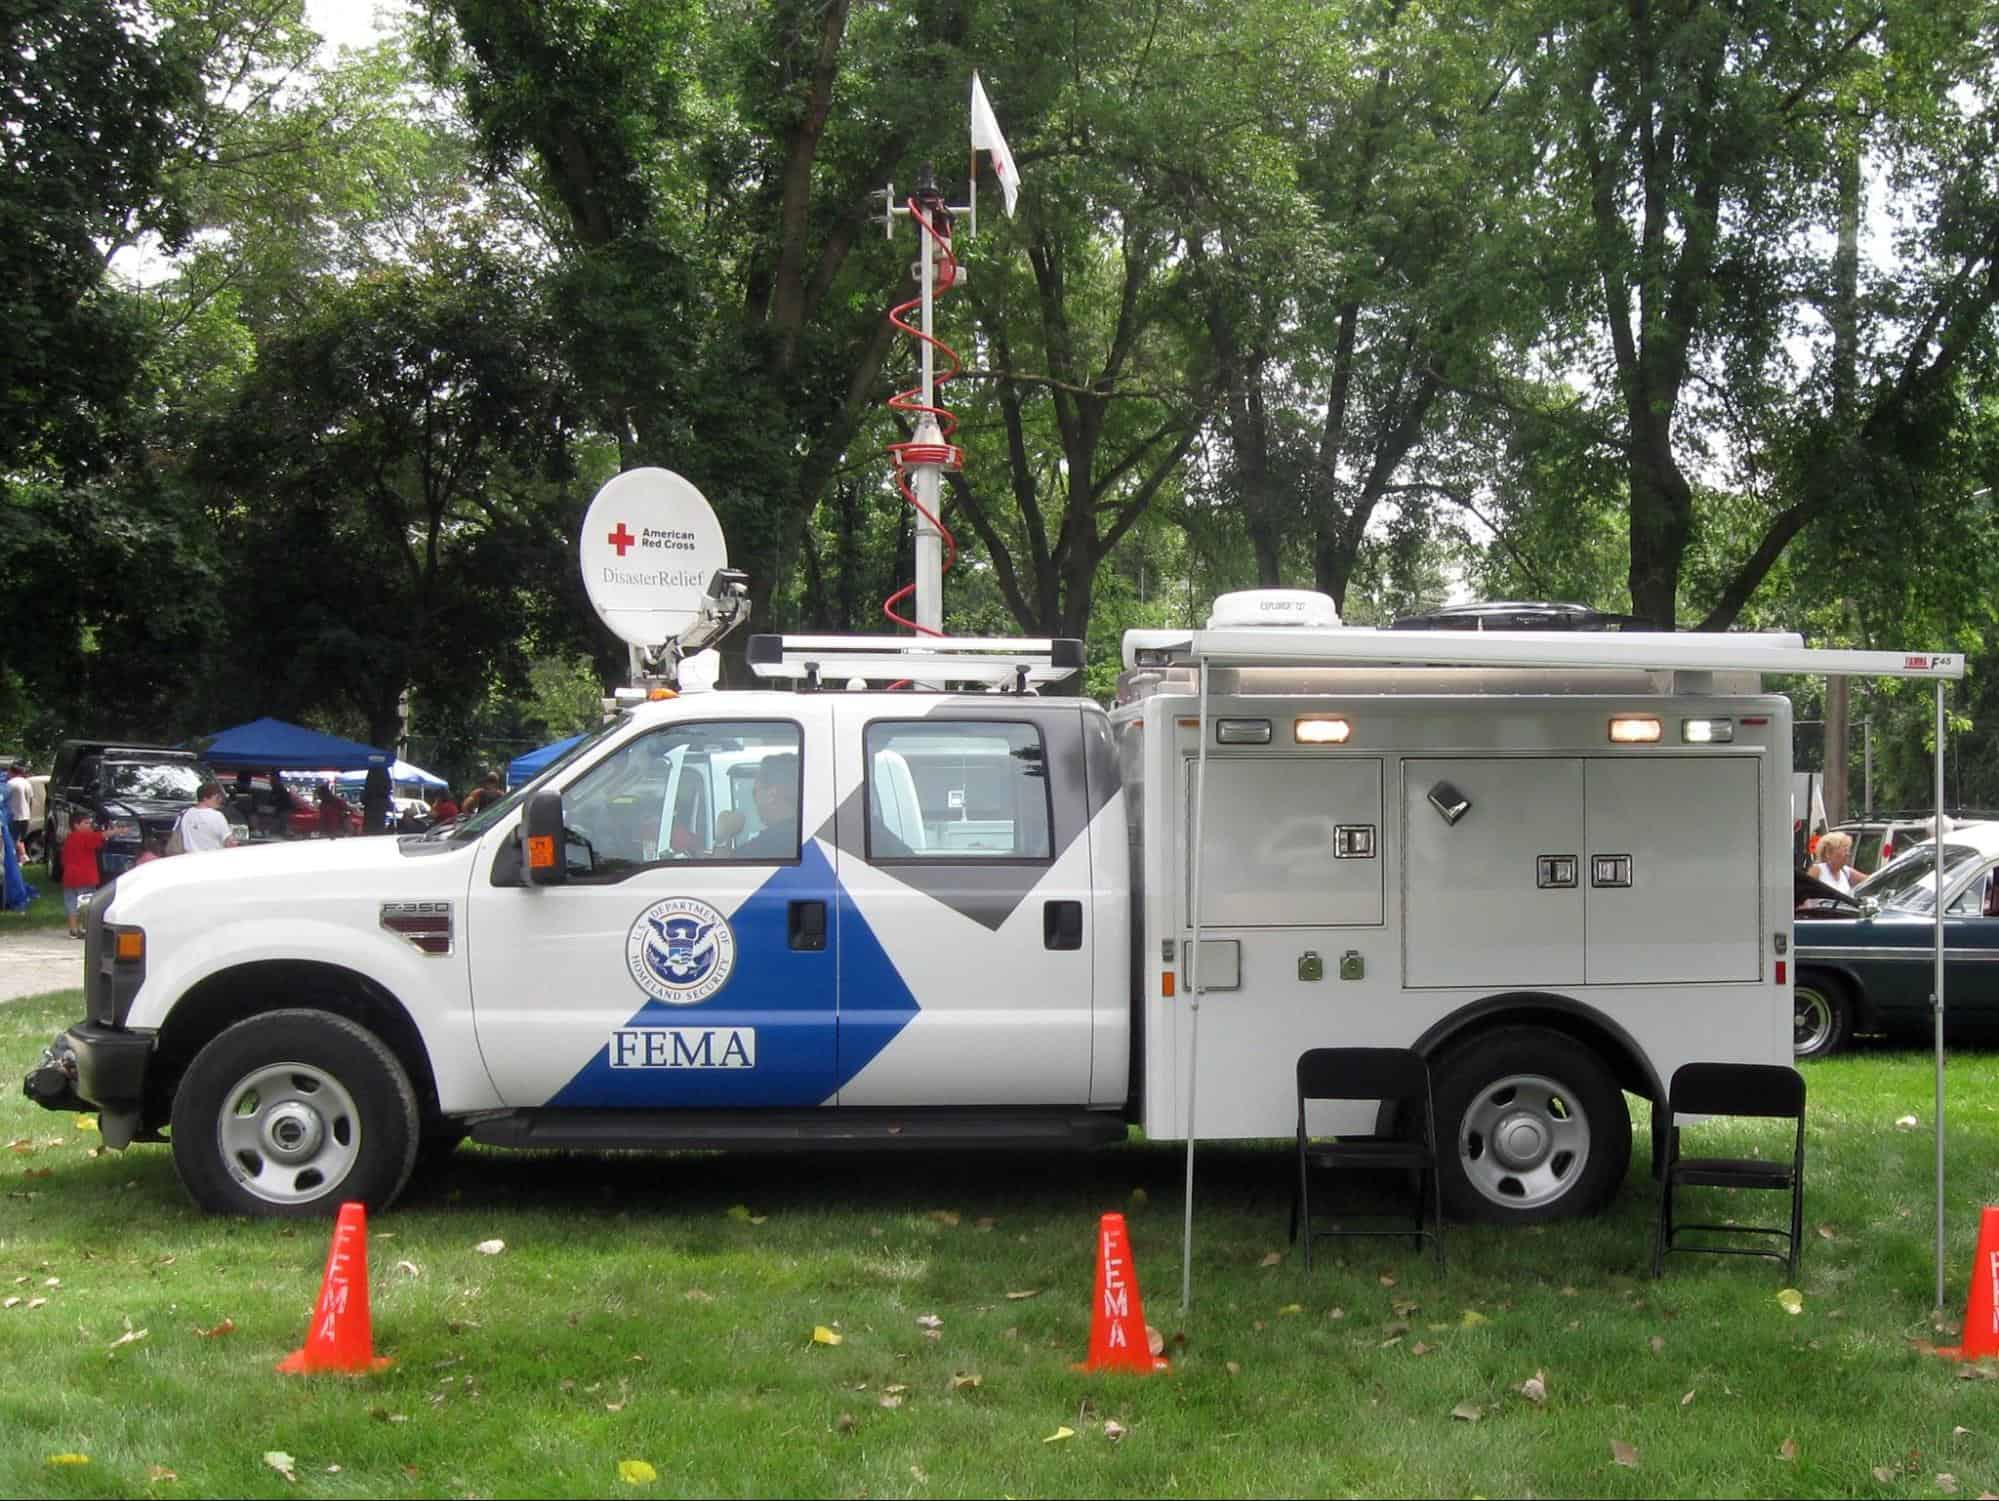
273, 745
524, 769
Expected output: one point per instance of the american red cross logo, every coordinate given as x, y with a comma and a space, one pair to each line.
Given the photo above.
622, 539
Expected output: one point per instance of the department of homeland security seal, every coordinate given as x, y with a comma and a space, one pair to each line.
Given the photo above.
680, 951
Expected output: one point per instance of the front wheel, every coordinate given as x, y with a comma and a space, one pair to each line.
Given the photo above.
1821, 1016
1532, 1127
292, 1113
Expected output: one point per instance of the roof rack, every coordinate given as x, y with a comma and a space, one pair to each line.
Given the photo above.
1006, 661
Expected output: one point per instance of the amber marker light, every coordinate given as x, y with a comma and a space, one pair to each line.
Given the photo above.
131, 945
541, 851
660, 695
1634, 729
1321, 729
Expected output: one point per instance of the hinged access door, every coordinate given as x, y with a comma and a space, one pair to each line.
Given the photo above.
1490, 895
1674, 870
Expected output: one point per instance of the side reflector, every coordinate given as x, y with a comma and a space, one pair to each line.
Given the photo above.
660, 695
1321, 729
1634, 729
1166, 984
131, 945
1242, 732
1780, 971
541, 851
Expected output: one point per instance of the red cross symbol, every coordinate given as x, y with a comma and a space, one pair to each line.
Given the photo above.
622, 539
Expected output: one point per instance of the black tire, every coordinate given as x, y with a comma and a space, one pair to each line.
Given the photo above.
1821, 1015
1531, 1126
292, 1113
435, 1151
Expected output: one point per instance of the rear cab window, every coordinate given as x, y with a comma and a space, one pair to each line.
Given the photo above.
958, 791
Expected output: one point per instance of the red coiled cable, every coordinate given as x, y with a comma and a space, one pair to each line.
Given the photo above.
905, 454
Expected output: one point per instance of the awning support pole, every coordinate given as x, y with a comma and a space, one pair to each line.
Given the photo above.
1937, 994
1194, 996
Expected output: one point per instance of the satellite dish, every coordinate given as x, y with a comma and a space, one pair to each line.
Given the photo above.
650, 545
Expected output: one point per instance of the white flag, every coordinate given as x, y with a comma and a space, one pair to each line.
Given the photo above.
986, 137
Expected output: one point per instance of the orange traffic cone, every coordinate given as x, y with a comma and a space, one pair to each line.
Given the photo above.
341, 1337
1981, 1304
1118, 1340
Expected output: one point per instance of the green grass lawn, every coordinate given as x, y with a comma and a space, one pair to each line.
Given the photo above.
662, 1309
44, 912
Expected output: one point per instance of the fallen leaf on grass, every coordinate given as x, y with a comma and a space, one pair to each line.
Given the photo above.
161, 1475
1385, 1280
129, 1337
1290, 1308
696, 1295
409, 1269
1946, 1483
1419, 1348
1657, 1342
69, 1459
1390, 1343
1887, 1474
1535, 1387
283, 1463
34, 1303
227, 1326
821, 1335
929, 1321
984, 1223
636, 1472
490, 1247
1031, 1292
1687, 1400
1788, 1451
37, 1172
1155, 1342
1114, 1430
1624, 1454
944, 1216
1232, 1367
890, 1401
844, 1423
1467, 1412
85, 1123
1059, 1434
1825, 1232
1272, 1258
1791, 1301
1473, 1318
1905, 1123
1403, 1307
1336, 1314
53, 1282
967, 1381
10, 1303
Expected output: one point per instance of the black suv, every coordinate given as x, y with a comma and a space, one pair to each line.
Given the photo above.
131, 790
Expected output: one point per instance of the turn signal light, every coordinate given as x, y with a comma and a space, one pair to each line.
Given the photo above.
130, 945
541, 851
1634, 729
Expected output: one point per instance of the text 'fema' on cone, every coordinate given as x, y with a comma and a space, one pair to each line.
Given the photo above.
1117, 1314
341, 1338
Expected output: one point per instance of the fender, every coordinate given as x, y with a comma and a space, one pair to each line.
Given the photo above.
434, 990
1627, 1060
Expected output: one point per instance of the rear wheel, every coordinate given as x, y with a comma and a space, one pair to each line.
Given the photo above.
1821, 1016
1533, 1127
292, 1113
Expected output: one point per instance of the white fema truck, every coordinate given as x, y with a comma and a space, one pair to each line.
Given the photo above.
1558, 863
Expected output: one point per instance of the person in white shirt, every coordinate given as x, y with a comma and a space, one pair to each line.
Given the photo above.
20, 799
1833, 865
203, 827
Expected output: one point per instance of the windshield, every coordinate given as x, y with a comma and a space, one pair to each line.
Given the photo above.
471, 828
1908, 883
168, 781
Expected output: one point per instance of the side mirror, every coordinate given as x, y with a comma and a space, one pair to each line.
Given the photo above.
542, 856
1870, 906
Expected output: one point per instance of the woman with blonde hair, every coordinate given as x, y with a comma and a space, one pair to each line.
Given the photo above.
1834, 865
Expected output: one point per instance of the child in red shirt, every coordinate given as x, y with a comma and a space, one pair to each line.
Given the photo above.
79, 867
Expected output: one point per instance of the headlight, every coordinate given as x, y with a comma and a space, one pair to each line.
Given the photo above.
122, 828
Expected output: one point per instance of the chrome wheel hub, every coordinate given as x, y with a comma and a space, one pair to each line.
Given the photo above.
1524, 1141
290, 1132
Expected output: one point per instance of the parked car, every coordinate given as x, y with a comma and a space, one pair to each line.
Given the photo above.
1878, 840
131, 790
1865, 963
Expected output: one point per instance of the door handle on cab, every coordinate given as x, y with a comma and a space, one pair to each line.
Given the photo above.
805, 921
1062, 925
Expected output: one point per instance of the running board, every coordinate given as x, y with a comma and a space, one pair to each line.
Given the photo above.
797, 1130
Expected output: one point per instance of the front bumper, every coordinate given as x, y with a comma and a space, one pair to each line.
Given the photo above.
95, 1067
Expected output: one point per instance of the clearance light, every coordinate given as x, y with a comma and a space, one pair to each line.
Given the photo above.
1166, 983
1634, 729
1321, 730
1707, 731
660, 695
130, 946
1242, 732
541, 852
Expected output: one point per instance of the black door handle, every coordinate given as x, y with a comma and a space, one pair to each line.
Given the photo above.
1062, 925
806, 923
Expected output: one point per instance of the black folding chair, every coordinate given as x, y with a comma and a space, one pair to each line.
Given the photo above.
1757, 1090
1369, 1074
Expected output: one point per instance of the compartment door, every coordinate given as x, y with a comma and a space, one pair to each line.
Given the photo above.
1685, 903
1492, 871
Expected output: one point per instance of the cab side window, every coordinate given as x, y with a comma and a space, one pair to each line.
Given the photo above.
693, 793
956, 791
